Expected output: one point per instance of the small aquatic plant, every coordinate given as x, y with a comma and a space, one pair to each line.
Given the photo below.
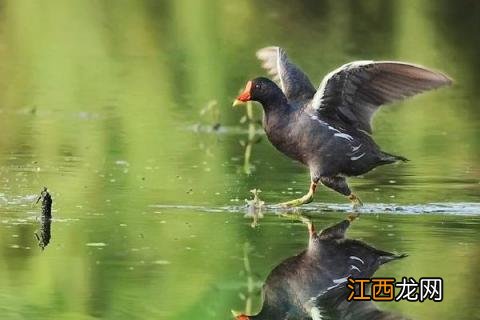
212, 113
255, 207
252, 139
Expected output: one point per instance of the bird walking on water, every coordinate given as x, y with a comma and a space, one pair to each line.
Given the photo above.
329, 129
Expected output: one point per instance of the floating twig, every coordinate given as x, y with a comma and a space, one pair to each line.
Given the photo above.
45, 220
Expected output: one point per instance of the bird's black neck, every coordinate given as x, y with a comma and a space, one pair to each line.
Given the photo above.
276, 107
276, 111
276, 103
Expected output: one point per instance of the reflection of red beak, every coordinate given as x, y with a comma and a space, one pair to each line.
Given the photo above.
245, 95
240, 316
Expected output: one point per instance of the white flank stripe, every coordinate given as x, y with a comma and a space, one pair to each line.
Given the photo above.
356, 148
357, 258
352, 267
340, 280
344, 136
315, 313
356, 158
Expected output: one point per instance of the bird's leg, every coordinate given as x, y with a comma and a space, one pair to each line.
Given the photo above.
356, 202
303, 200
340, 185
311, 229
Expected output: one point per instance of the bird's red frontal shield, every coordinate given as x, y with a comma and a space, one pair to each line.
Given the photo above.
245, 95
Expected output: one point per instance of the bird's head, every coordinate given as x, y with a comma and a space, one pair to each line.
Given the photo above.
261, 89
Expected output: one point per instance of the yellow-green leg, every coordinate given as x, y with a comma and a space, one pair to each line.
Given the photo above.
356, 202
303, 200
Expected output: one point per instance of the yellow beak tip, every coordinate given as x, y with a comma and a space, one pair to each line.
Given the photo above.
236, 313
237, 102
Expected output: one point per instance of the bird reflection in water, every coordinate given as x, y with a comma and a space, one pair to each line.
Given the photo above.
312, 284
44, 234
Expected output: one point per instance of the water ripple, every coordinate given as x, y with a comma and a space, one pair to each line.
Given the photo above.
446, 208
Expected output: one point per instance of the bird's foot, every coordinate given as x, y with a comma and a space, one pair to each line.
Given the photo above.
356, 202
353, 216
295, 215
298, 202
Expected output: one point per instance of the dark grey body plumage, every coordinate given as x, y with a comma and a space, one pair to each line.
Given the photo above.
308, 137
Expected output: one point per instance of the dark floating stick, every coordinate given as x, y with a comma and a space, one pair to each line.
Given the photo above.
46, 203
45, 220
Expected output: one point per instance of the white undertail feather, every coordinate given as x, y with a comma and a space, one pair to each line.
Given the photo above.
315, 313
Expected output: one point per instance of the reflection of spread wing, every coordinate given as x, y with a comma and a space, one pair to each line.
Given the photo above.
355, 91
293, 82
336, 231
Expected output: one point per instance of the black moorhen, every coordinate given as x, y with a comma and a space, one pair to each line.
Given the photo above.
313, 284
329, 129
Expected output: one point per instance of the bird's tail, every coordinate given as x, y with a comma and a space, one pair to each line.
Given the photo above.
387, 257
391, 158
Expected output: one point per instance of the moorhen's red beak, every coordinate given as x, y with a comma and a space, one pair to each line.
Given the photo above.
244, 96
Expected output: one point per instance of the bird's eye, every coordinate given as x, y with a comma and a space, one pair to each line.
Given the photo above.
257, 86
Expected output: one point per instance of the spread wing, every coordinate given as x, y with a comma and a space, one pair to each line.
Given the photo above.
355, 91
294, 83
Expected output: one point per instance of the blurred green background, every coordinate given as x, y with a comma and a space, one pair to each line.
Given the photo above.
112, 104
